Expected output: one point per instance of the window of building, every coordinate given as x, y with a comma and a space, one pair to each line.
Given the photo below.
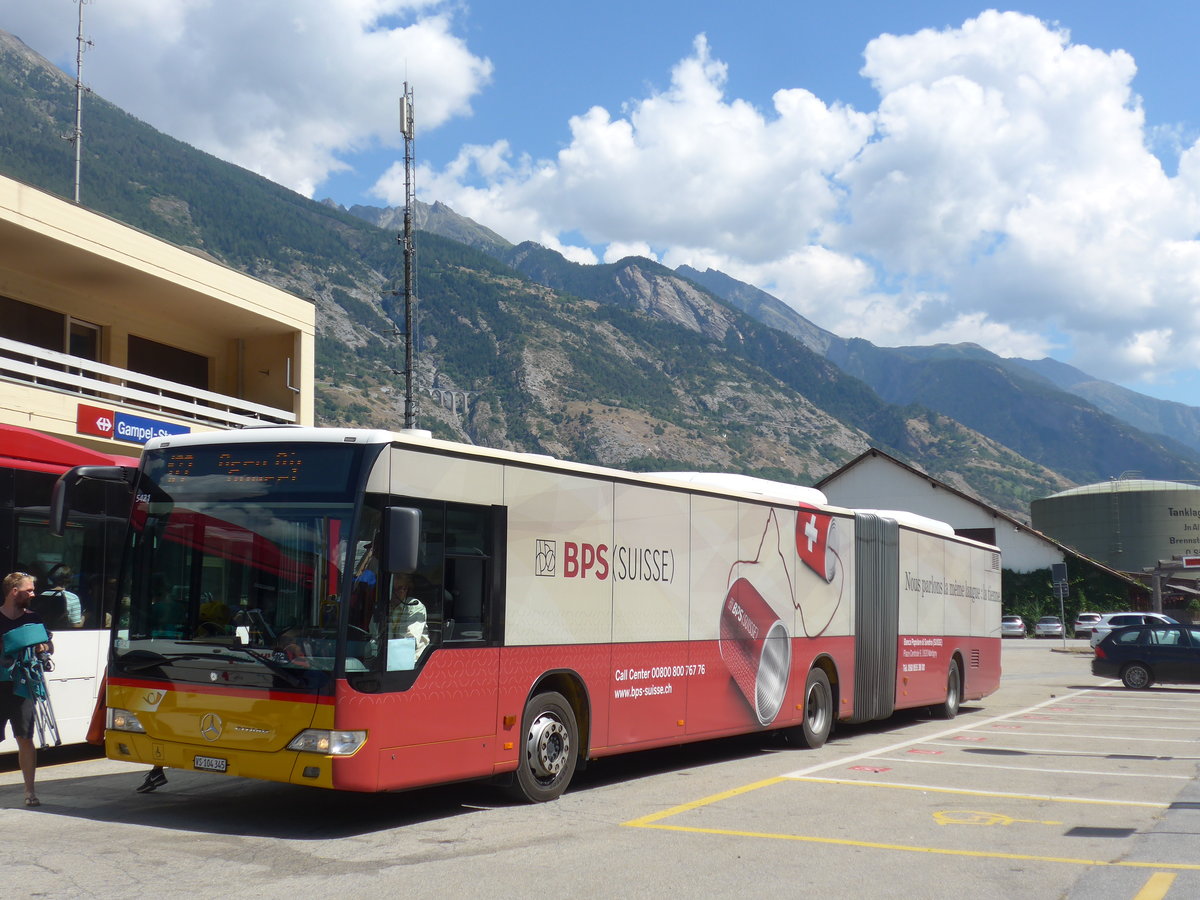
166, 362
983, 535
31, 324
49, 330
83, 339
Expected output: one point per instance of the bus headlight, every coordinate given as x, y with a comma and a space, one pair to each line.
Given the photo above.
328, 743
124, 720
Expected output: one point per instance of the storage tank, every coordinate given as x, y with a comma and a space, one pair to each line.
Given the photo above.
1128, 524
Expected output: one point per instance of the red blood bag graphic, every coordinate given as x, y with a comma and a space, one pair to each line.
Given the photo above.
757, 649
813, 543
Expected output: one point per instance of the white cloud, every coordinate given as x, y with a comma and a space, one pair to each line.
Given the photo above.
618, 250
683, 167
282, 89
1002, 192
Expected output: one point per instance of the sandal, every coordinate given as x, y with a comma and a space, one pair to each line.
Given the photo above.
32, 801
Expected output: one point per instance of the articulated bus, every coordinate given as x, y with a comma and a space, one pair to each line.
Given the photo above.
370, 611
76, 571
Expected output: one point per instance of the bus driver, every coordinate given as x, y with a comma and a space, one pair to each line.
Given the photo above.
407, 616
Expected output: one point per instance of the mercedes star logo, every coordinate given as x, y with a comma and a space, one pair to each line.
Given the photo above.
210, 726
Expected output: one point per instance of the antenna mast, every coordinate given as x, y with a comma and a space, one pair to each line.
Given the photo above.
406, 240
76, 136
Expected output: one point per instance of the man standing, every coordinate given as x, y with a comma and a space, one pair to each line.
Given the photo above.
18, 591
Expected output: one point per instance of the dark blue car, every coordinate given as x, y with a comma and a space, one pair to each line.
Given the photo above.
1142, 655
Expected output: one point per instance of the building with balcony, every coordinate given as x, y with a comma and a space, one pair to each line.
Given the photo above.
109, 336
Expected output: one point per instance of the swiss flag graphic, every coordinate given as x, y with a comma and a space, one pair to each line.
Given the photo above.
812, 541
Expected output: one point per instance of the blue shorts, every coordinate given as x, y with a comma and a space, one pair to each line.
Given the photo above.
17, 710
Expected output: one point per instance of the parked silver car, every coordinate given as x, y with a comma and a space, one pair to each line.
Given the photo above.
1013, 626
1048, 626
1085, 622
1109, 621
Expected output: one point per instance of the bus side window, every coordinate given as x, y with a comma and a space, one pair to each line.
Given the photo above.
468, 544
465, 583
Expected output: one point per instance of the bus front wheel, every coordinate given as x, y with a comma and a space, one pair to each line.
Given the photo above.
549, 748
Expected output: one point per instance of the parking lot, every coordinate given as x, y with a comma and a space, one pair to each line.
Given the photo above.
1058, 785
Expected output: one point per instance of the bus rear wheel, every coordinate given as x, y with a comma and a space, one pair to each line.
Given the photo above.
818, 710
549, 748
949, 708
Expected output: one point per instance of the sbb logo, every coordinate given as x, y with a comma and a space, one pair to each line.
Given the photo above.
579, 560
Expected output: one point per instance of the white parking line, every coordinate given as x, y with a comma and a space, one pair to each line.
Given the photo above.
973, 726
1053, 751
1142, 700
1086, 724
1093, 737
953, 762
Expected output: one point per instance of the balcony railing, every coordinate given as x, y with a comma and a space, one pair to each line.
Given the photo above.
49, 370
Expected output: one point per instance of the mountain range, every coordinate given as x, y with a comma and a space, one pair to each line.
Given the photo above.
629, 364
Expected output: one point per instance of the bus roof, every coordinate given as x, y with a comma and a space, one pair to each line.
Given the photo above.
914, 520
24, 448
747, 484
730, 483
709, 482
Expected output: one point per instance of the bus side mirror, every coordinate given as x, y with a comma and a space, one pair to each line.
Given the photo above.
60, 498
400, 553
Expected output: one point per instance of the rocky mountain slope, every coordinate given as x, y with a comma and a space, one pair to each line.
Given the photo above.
1024, 398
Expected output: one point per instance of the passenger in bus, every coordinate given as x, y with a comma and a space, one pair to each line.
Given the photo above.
407, 615
58, 606
328, 617
362, 595
214, 616
166, 611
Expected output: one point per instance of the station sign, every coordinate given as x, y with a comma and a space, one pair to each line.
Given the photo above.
120, 426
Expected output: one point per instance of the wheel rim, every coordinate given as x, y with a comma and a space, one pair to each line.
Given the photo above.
816, 710
1137, 677
953, 689
547, 747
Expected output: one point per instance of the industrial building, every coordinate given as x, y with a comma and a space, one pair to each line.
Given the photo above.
1131, 524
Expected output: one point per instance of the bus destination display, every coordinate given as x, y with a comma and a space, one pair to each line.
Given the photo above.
275, 467
279, 470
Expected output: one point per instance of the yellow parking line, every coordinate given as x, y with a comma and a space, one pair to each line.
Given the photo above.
655, 820
938, 851
1156, 886
646, 821
925, 788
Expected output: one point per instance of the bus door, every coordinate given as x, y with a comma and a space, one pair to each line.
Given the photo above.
423, 647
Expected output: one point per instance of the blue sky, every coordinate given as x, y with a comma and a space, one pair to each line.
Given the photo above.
1027, 179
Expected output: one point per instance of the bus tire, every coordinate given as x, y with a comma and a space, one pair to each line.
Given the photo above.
817, 723
549, 748
948, 708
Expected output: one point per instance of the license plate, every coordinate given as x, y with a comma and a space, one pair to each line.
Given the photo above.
211, 764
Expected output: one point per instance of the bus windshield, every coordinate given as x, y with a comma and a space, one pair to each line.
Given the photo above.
235, 564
